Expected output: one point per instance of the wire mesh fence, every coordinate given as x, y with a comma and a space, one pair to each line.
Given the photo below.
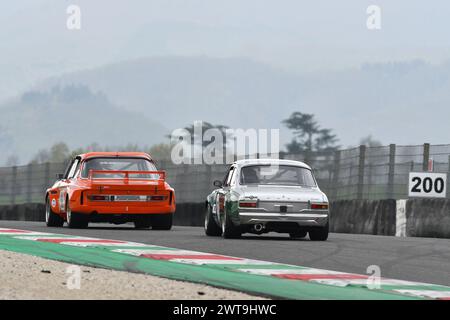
357, 173
27, 184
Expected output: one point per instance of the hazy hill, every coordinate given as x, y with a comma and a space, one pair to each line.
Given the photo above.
391, 101
180, 90
74, 115
295, 34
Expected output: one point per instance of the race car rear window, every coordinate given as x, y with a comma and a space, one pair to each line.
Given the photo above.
117, 164
277, 175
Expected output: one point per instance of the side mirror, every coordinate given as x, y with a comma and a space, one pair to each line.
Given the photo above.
218, 183
59, 176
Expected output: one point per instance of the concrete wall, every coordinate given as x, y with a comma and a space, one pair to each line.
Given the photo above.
23, 212
428, 218
363, 217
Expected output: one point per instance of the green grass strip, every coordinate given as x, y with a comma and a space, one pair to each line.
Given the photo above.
218, 277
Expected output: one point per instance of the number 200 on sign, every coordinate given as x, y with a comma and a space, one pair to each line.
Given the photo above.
427, 185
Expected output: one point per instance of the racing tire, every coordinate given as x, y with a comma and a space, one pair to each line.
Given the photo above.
162, 222
142, 223
211, 227
319, 234
229, 230
298, 234
52, 219
75, 220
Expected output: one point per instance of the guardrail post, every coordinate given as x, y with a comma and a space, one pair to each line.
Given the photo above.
13, 185
336, 172
29, 179
47, 175
448, 180
391, 174
209, 179
362, 161
426, 156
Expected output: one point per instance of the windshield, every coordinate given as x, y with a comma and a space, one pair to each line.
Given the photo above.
280, 175
116, 164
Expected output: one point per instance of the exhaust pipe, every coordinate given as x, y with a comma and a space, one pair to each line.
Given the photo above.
258, 227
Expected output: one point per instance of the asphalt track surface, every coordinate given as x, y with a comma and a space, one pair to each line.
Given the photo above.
414, 259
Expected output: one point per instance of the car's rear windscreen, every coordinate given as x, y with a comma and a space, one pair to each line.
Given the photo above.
277, 175
116, 164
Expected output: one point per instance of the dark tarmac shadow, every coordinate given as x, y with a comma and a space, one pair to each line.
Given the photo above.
200, 235
280, 238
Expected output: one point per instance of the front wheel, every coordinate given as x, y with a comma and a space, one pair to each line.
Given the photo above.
319, 234
211, 227
52, 219
229, 230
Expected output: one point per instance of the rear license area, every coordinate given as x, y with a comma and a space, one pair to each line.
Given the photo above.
130, 199
282, 207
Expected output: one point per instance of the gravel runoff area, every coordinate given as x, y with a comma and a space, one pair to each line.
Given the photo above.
27, 277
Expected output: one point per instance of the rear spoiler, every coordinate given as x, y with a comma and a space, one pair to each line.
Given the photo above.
126, 174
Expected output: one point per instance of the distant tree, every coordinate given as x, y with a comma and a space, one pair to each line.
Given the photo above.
59, 152
42, 156
206, 126
308, 135
12, 160
93, 147
76, 152
369, 141
130, 148
161, 151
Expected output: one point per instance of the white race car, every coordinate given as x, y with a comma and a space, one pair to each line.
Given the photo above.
264, 195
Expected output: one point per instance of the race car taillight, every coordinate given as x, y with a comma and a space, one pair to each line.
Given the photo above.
97, 198
248, 204
157, 198
319, 206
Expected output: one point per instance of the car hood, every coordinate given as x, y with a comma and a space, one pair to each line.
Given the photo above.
283, 193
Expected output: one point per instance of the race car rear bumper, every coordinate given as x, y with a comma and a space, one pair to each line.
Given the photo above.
123, 218
304, 219
118, 208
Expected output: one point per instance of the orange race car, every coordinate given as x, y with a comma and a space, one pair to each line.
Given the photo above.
115, 187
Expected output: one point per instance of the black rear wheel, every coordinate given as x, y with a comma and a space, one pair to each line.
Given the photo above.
52, 219
162, 222
75, 220
229, 230
143, 222
211, 227
319, 234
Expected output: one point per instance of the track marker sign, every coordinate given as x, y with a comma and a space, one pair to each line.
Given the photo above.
427, 185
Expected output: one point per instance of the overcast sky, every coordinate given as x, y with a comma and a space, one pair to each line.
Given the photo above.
294, 34
304, 37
